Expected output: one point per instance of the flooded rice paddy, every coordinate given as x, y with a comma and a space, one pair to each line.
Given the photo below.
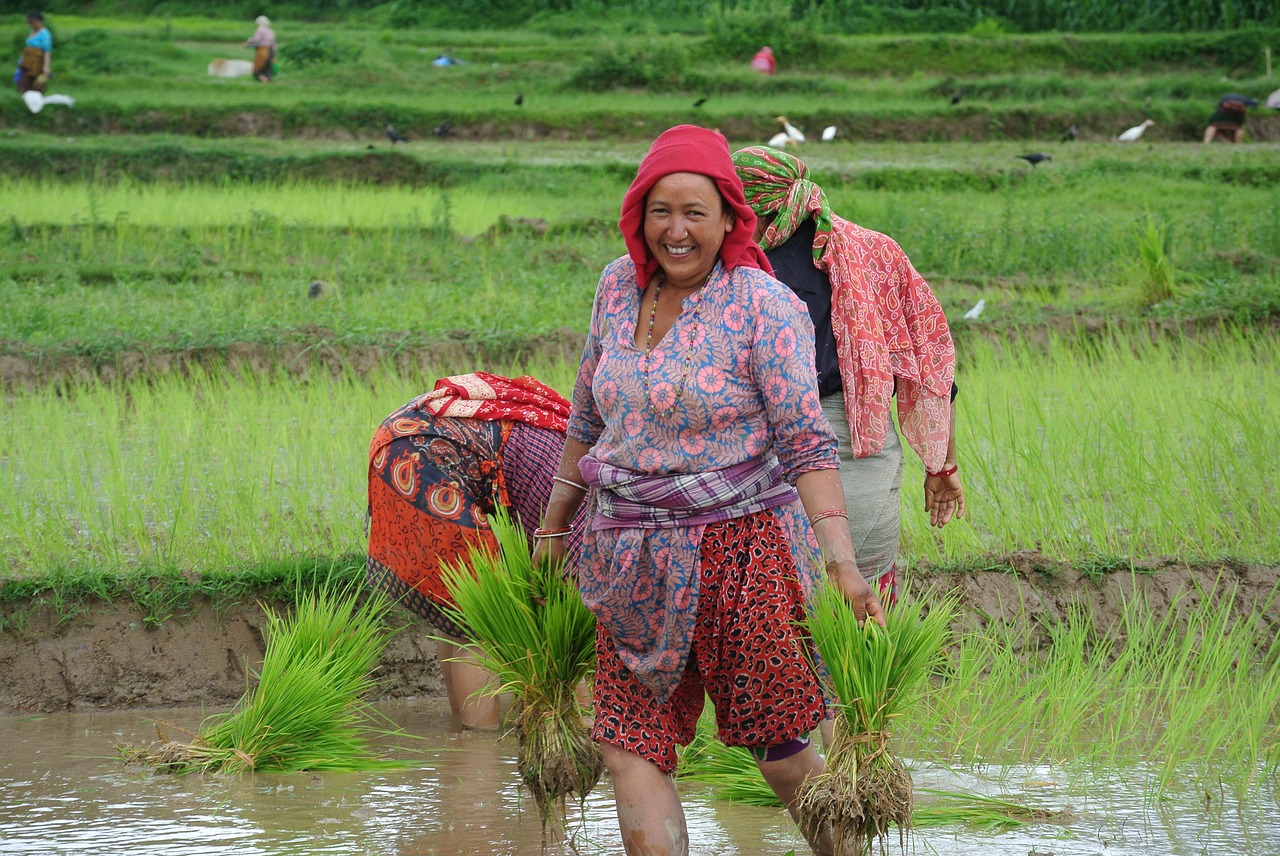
65, 792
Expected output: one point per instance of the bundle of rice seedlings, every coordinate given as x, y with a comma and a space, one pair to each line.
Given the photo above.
733, 776
875, 672
308, 710
534, 633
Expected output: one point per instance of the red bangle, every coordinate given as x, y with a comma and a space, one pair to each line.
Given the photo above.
826, 515
944, 472
551, 533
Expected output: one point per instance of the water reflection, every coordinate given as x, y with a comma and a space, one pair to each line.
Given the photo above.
64, 791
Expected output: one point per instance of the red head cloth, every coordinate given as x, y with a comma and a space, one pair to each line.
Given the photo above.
688, 148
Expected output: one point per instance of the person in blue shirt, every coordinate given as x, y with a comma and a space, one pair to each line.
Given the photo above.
33, 67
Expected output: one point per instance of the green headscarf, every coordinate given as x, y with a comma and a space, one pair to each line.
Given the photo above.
778, 190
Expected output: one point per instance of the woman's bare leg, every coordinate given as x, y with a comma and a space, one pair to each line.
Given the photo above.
463, 682
649, 811
785, 778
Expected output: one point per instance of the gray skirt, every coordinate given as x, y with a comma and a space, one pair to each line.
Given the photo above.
871, 493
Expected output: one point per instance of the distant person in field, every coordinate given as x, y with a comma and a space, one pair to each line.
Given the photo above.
1229, 117
34, 66
263, 41
438, 467
764, 61
880, 336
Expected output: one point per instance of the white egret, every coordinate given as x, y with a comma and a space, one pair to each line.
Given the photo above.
828, 133
791, 130
1135, 133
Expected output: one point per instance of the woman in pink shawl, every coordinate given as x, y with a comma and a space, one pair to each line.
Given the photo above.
714, 490
880, 336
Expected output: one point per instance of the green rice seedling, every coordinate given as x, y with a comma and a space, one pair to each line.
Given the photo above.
1155, 261
1179, 693
733, 776
535, 634
308, 710
876, 673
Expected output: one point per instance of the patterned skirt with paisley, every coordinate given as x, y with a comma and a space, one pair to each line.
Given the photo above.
432, 483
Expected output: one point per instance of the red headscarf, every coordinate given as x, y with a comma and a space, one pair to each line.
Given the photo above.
688, 148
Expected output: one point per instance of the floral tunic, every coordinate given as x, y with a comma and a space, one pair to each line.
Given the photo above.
731, 381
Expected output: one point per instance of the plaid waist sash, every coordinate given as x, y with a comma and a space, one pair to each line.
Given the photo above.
627, 499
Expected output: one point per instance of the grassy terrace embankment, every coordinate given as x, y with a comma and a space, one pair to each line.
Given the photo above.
469, 249
347, 81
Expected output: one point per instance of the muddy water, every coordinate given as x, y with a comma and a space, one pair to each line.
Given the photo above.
62, 791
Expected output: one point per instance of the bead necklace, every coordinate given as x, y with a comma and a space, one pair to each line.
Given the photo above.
695, 328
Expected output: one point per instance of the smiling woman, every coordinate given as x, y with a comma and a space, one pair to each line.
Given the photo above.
696, 419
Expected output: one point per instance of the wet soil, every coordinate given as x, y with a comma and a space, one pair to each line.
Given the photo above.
106, 657
318, 350
972, 124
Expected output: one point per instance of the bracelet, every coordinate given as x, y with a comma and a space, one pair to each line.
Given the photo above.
944, 472
826, 515
541, 533
570, 483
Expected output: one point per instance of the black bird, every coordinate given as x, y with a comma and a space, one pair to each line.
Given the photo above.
442, 130
1034, 158
955, 99
395, 136
699, 102
1070, 135
519, 99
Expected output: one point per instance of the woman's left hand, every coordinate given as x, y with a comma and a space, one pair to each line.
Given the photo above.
866, 604
943, 498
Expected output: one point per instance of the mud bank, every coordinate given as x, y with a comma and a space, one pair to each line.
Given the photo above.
105, 656
319, 352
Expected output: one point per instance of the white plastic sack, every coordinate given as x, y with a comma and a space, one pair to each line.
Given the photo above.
230, 68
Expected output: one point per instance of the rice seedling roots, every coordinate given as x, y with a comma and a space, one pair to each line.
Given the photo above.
863, 790
557, 757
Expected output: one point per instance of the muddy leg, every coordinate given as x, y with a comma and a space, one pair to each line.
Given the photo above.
462, 680
477, 707
649, 812
786, 777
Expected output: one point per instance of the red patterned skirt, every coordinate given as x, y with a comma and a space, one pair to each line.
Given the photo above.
748, 655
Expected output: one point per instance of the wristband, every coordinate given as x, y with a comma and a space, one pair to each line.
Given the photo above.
570, 483
826, 515
944, 472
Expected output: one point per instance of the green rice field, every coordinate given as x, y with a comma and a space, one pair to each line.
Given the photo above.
186, 412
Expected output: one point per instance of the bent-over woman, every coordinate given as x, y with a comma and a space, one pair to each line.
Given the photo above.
438, 467
697, 423
881, 337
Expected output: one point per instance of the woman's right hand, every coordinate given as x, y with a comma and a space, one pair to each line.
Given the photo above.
860, 595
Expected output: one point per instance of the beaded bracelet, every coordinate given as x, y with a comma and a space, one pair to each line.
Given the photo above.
826, 515
541, 533
570, 483
944, 472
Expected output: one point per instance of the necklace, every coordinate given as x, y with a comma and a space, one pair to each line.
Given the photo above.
695, 328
